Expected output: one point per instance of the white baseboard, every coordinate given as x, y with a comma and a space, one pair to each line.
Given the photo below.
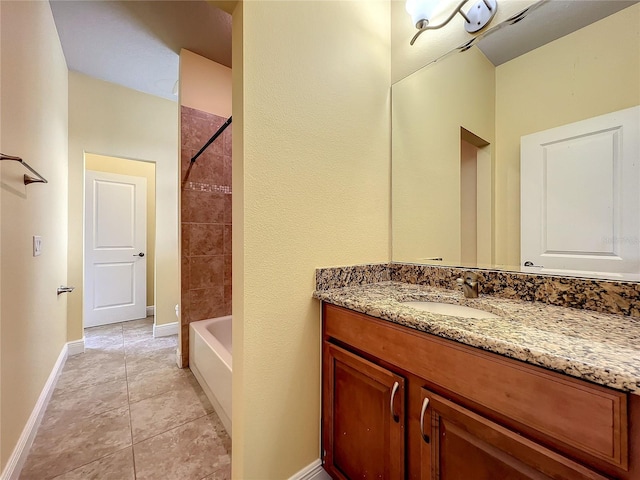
313, 471
21, 451
165, 330
76, 347
151, 310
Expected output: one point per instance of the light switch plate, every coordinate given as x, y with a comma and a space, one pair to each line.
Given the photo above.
37, 245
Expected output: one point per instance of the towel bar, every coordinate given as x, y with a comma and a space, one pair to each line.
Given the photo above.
27, 178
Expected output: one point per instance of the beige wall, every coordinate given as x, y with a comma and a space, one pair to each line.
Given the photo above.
239, 425
406, 59
123, 166
593, 71
111, 120
204, 85
33, 126
311, 173
429, 107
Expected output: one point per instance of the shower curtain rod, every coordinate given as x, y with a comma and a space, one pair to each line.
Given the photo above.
211, 140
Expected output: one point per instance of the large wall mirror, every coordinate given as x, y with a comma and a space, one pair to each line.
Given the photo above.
457, 126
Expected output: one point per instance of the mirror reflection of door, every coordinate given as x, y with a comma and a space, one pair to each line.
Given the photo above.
579, 196
513, 83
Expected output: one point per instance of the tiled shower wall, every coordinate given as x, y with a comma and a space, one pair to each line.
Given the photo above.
205, 221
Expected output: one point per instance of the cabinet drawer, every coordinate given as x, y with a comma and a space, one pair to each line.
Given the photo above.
451, 433
580, 415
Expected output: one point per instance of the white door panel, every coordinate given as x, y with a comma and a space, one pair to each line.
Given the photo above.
579, 204
580, 196
114, 205
121, 278
115, 235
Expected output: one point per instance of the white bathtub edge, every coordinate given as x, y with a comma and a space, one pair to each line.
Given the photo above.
226, 421
210, 361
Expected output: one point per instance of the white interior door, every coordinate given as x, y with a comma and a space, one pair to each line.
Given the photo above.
115, 243
580, 196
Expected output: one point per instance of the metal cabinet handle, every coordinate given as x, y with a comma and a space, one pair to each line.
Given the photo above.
396, 418
425, 404
63, 289
139, 254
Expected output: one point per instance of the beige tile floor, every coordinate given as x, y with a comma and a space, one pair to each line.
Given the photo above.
124, 411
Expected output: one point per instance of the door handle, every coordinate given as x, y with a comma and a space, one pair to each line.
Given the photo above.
530, 264
63, 289
396, 418
139, 254
425, 404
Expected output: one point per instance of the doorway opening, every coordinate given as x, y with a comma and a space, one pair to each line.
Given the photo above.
119, 247
476, 238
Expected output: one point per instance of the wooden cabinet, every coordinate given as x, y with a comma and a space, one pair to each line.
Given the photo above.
398, 403
459, 444
363, 421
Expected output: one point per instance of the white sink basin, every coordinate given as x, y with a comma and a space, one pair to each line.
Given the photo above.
451, 309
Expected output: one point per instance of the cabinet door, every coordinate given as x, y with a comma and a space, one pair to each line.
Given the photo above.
458, 444
363, 418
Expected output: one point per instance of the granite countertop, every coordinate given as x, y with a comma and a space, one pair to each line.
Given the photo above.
601, 348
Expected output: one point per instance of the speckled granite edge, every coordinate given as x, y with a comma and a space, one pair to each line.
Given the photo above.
600, 348
605, 296
350, 276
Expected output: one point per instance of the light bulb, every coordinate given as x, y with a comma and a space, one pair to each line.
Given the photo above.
420, 10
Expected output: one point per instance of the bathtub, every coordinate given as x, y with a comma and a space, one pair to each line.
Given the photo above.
210, 362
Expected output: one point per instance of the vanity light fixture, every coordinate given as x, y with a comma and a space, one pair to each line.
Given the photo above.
476, 18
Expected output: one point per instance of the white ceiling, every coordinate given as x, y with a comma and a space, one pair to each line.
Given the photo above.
137, 43
546, 22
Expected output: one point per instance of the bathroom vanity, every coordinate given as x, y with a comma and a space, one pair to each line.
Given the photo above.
536, 392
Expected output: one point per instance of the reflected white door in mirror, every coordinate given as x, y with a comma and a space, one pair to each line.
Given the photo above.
579, 197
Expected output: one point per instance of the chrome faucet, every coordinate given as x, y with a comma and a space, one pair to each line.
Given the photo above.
469, 283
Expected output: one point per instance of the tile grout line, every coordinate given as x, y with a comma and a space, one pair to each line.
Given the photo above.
92, 461
150, 396
89, 417
208, 474
174, 427
206, 414
126, 376
217, 430
107, 454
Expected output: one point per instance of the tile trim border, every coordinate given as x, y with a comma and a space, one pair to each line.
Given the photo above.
165, 330
313, 471
19, 455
